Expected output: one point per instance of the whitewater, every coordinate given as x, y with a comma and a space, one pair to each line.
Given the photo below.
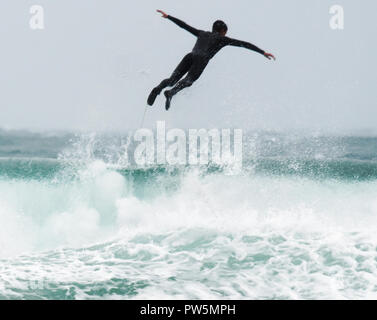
298, 222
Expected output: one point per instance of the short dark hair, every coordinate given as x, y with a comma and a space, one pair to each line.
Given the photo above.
219, 26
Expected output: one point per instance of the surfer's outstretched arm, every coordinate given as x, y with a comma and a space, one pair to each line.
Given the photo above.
180, 23
250, 46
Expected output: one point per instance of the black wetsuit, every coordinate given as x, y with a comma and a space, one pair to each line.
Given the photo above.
207, 45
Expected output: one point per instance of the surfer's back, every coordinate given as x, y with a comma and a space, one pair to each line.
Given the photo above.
208, 44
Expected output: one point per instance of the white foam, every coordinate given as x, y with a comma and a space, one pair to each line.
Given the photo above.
213, 236
102, 203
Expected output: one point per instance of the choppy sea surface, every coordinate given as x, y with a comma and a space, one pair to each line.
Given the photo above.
298, 222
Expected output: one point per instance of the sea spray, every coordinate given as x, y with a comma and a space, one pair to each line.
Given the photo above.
297, 222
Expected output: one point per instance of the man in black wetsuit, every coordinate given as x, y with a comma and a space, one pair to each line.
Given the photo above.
207, 45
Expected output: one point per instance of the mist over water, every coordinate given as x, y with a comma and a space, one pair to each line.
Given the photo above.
297, 222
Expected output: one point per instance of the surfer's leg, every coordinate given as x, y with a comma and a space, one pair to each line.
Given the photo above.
179, 72
194, 73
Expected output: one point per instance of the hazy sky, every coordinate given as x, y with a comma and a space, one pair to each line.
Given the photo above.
93, 65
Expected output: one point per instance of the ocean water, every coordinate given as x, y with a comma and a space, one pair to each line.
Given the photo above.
298, 222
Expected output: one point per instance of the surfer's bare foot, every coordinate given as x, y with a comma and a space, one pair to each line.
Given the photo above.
152, 96
168, 99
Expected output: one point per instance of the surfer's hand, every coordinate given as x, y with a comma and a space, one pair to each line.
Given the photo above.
269, 56
164, 15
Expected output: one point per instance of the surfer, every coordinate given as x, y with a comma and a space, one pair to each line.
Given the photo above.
207, 45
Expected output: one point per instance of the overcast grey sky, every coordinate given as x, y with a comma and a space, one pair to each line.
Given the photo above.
93, 65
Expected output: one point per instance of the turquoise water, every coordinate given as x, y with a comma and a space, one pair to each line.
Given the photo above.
299, 221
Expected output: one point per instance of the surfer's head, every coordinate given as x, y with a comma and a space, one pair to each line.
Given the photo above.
220, 27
